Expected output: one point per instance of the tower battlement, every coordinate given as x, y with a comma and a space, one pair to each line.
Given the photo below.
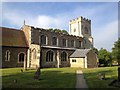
80, 19
81, 27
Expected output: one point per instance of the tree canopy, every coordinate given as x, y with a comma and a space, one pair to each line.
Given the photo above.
105, 57
116, 51
58, 30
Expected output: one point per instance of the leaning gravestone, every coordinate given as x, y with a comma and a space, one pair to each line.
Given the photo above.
37, 74
119, 74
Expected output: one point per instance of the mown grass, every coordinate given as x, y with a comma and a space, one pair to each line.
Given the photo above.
91, 77
50, 78
56, 78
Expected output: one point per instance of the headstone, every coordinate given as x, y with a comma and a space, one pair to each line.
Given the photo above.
37, 74
21, 70
15, 81
101, 76
119, 74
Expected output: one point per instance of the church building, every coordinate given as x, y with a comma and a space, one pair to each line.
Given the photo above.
32, 47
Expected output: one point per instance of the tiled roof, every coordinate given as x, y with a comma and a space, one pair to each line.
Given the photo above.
80, 53
13, 37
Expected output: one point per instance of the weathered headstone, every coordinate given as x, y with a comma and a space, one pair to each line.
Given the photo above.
101, 76
37, 74
119, 74
21, 70
15, 81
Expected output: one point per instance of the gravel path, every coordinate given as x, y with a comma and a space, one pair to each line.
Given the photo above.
80, 82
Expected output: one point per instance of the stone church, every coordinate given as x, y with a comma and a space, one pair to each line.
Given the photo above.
32, 47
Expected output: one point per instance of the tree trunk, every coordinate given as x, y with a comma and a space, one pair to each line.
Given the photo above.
119, 73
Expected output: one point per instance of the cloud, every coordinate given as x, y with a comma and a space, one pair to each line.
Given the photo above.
60, 0
106, 36
42, 21
45, 21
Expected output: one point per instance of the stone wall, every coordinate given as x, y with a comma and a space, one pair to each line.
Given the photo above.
14, 52
56, 57
36, 38
34, 62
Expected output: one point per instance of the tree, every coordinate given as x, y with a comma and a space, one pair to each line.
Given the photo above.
116, 55
116, 51
64, 31
105, 58
51, 29
58, 30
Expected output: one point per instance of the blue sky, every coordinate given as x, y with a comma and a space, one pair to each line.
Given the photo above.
104, 17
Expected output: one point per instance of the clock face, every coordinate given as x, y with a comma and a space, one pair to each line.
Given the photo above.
86, 30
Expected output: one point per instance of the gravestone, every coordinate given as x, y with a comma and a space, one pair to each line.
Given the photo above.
119, 74
101, 76
21, 70
15, 81
37, 74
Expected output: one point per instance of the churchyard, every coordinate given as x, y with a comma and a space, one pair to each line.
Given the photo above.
93, 79
49, 78
57, 77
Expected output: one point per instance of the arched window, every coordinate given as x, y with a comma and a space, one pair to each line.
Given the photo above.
43, 39
54, 41
63, 56
64, 42
7, 56
72, 43
68, 42
21, 57
34, 54
79, 43
49, 56
86, 30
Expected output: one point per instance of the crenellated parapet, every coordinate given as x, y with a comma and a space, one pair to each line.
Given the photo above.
80, 19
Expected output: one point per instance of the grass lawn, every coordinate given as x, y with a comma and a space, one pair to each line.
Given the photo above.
50, 78
92, 78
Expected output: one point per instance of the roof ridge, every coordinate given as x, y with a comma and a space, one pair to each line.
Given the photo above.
6, 28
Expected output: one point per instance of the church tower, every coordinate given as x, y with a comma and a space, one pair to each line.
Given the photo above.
82, 27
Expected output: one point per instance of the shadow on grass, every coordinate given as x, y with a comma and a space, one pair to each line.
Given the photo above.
48, 79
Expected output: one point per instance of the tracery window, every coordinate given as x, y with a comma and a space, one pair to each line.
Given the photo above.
49, 56
21, 57
54, 40
79, 43
64, 42
43, 39
63, 56
72, 43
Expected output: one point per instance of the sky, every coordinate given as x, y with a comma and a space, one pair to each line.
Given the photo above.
103, 15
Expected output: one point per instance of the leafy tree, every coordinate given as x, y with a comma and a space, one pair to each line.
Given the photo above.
58, 30
64, 31
116, 51
104, 57
51, 29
